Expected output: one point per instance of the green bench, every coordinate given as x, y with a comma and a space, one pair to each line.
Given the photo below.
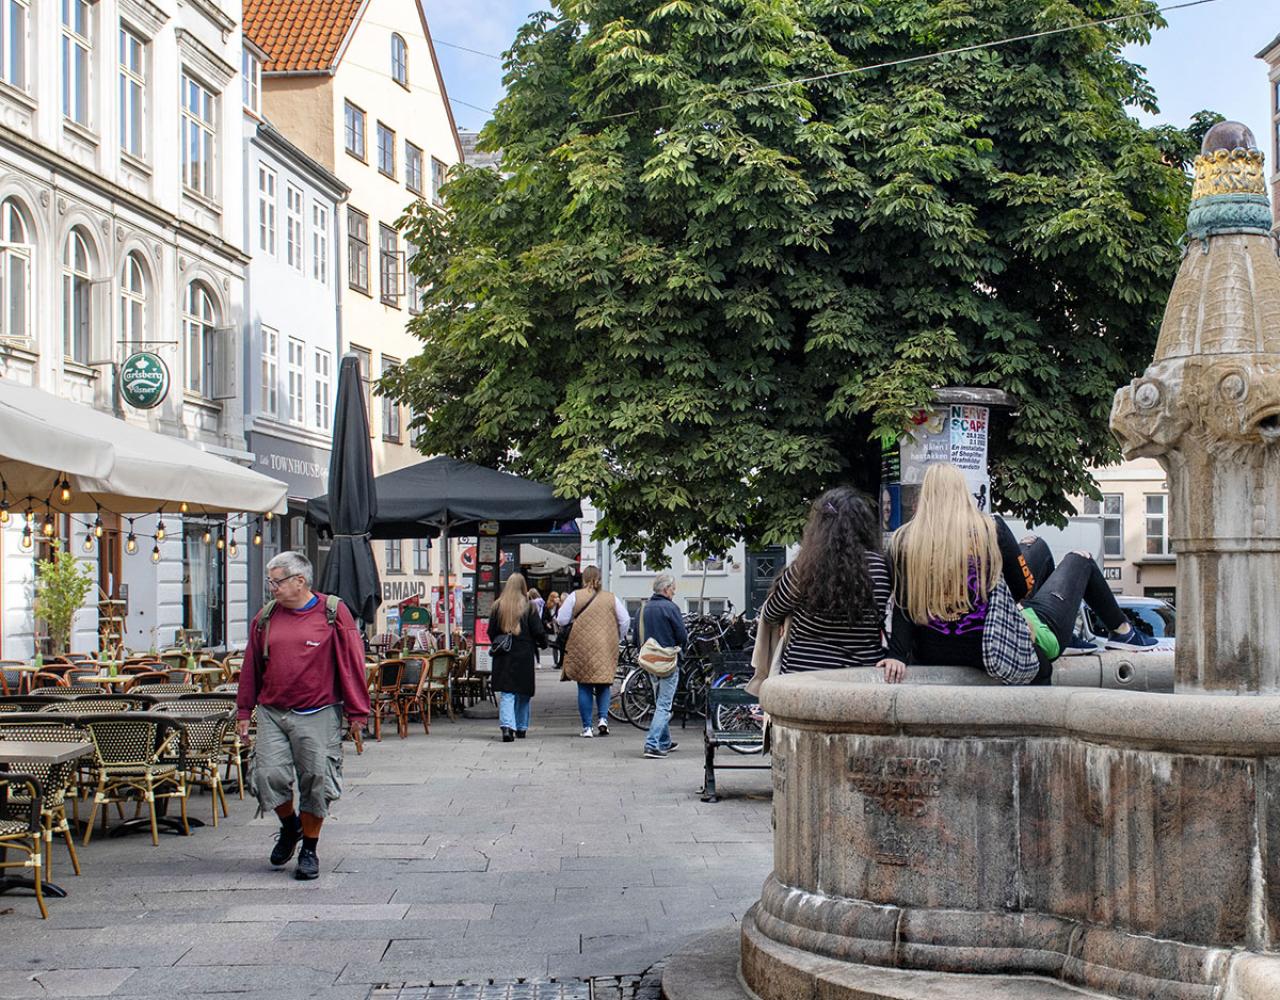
732, 722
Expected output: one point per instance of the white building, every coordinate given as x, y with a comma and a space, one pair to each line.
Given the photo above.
355, 85
291, 320
121, 228
1271, 145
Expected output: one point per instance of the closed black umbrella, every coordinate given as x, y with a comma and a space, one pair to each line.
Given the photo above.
350, 571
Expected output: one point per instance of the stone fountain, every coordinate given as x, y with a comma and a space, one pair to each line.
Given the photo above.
947, 839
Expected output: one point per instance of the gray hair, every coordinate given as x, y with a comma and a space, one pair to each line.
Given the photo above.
293, 563
663, 582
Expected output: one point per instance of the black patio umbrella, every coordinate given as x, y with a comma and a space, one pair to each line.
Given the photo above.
349, 571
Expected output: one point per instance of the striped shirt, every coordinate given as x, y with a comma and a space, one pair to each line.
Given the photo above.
819, 642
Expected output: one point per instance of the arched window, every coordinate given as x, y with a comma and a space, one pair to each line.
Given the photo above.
133, 303
399, 60
15, 273
200, 323
77, 297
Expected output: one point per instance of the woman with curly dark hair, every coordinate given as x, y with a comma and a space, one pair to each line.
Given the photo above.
837, 589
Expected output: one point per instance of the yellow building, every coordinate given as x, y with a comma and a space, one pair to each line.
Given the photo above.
1271, 56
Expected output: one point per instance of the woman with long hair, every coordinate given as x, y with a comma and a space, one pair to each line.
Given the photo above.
598, 620
549, 612
514, 616
836, 590
952, 604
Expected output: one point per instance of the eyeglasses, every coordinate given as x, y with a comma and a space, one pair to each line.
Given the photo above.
275, 584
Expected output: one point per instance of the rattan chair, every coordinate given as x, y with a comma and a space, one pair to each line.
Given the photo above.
47, 678
384, 697
206, 737
165, 691
57, 781
141, 755
11, 680
31, 702
53, 691
24, 834
231, 666
410, 698
436, 686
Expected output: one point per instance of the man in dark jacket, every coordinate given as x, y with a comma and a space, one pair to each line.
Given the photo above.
662, 622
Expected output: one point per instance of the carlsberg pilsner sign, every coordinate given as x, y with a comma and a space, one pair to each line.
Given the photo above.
144, 380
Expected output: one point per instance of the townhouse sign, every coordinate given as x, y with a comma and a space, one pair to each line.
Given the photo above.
144, 380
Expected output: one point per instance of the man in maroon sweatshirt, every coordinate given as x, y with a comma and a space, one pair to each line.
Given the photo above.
304, 670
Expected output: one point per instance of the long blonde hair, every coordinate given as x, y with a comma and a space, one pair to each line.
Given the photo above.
512, 604
935, 552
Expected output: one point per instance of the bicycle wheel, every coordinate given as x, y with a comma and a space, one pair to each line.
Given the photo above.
638, 699
615, 701
740, 718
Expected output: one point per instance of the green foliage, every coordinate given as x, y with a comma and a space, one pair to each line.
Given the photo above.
62, 584
700, 293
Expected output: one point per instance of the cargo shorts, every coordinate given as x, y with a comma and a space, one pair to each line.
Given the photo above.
307, 748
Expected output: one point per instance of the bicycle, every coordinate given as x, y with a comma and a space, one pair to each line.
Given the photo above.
627, 657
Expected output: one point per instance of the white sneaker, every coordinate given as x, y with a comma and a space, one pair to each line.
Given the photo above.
587, 733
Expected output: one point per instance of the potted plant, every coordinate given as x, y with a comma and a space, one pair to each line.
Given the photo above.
62, 584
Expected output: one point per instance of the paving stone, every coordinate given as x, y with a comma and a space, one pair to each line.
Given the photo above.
185, 979
63, 982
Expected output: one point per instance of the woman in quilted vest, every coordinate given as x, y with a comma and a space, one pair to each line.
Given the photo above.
599, 620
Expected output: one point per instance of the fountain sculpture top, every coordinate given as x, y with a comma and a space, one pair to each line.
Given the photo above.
1208, 408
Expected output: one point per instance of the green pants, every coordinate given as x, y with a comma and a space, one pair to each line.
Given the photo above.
307, 748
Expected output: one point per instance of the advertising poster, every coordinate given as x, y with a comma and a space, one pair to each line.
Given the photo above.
969, 425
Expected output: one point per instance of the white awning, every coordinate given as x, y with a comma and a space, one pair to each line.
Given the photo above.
128, 469
538, 559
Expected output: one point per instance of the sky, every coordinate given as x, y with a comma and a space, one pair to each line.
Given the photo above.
1203, 59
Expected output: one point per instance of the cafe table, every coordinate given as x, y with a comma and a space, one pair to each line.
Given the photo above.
106, 680
205, 676
18, 752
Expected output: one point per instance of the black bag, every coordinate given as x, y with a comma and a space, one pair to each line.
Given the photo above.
501, 645
562, 637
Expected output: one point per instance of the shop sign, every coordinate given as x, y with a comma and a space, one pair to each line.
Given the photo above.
144, 380
1112, 573
394, 591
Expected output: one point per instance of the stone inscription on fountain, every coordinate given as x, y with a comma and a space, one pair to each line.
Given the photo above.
896, 786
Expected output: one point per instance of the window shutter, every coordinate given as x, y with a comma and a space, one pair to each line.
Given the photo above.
223, 381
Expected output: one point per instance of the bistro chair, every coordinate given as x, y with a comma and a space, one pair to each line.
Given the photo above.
410, 699
57, 781
384, 698
436, 688
31, 702
206, 730
138, 756
165, 691
24, 834
11, 680
231, 667
148, 678
58, 690
97, 702
47, 678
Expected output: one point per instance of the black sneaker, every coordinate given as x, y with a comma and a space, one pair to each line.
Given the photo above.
520, 734
308, 865
286, 843
672, 746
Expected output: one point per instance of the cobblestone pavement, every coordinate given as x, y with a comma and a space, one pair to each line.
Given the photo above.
452, 859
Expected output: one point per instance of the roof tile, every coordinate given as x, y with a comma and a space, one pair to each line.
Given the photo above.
299, 35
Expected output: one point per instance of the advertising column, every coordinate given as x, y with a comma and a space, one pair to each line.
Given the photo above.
487, 584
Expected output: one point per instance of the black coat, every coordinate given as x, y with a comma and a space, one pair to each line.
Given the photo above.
513, 671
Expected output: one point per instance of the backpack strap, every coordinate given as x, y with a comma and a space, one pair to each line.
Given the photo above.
264, 625
331, 603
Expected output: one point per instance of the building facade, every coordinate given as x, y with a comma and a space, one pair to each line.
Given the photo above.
121, 229
291, 322
355, 85
1271, 56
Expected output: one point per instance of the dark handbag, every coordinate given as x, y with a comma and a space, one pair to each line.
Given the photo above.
501, 645
562, 637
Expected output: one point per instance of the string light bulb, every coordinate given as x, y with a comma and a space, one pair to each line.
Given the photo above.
131, 543
155, 553
160, 531
270, 515
26, 537
64, 488
88, 541
47, 528
182, 507
30, 515
257, 538
207, 537
4, 511
221, 543
232, 549
97, 527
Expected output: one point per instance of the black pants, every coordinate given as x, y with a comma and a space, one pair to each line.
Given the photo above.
1057, 599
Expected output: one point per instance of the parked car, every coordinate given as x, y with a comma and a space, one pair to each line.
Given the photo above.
1150, 615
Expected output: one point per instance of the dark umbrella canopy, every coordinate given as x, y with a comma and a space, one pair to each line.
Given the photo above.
416, 502
350, 571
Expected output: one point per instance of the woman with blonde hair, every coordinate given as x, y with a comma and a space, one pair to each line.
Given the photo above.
515, 635
549, 612
599, 620
952, 604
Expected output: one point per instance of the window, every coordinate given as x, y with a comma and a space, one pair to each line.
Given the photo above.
296, 371
354, 119
386, 151
15, 273
251, 76
13, 43
413, 168
399, 61
358, 250
437, 181
1158, 525
713, 606
415, 432
77, 304
270, 371
713, 564
395, 556
266, 210
1112, 511
133, 89
324, 381
133, 303
413, 291
200, 326
632, 564
76, 48
319, 242
365, 358
389, 265
390, 406
634, 606
422, 555
199, 137
295, 238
